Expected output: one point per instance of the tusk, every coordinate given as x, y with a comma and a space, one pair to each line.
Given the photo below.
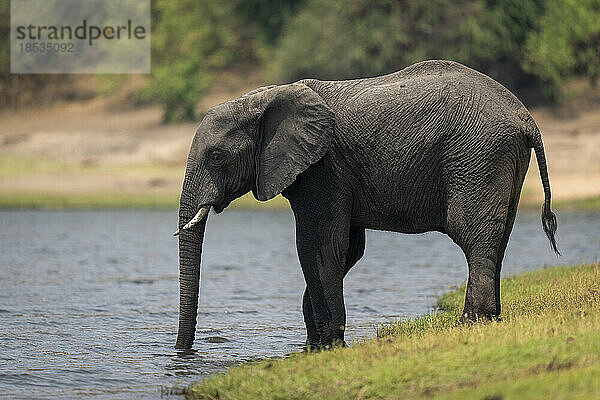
202, 212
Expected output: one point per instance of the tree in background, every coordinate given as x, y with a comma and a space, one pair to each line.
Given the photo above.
533, 47
499, 37
267, 17
566, 44
345, 39
25, 89
191, 40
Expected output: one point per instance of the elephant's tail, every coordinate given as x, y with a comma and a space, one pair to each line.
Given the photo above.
548, 218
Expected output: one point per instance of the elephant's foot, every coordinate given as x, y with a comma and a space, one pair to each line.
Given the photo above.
472, 317
472, 313
313, 339
480, 311
480, 299
322, 347
333, 337
311, 346
335, 344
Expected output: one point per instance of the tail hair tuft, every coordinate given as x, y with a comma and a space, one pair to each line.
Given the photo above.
550, 224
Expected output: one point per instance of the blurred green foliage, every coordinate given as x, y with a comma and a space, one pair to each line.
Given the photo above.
566, 44
534, 47
344, 39
267, 17
190, 41
193, 40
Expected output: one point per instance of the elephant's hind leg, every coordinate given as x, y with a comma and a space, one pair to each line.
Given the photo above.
512, 212
481, 299
481, 234
522, 165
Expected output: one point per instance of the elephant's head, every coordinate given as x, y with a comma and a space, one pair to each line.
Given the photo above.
259, 142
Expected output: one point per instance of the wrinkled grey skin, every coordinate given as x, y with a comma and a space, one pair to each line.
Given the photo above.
434, 147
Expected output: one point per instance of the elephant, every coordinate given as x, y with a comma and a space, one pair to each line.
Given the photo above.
436, 146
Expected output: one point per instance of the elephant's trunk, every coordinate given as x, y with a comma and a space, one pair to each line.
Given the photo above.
190, 251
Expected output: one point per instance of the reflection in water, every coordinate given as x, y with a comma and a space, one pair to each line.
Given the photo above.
88, 299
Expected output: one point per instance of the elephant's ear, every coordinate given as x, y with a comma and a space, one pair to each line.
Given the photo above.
295, 130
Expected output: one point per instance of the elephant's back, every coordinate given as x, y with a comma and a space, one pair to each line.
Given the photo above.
462, 80
428, 102
418, 84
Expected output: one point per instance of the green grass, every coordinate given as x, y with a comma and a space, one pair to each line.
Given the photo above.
117, 200
530, 202
586, 204
88, 200
547, 345
161, 199
147, 197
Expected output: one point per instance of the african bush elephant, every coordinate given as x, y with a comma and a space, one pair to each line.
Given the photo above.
436, 146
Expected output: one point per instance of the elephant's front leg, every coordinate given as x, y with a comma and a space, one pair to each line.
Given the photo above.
313, 339
322, 247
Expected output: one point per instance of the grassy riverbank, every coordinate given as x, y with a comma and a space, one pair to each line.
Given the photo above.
160, 199
546, 346
117, 200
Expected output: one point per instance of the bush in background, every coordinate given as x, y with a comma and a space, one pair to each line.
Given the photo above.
191, 40
534, 47
567, 44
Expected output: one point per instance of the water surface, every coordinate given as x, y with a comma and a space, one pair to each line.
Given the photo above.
89, 299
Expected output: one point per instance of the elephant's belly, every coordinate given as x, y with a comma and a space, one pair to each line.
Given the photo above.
409, 220
403, 201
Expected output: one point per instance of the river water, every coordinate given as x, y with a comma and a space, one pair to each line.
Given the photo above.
89, 299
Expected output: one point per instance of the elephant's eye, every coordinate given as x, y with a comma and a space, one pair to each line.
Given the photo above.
216, 157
